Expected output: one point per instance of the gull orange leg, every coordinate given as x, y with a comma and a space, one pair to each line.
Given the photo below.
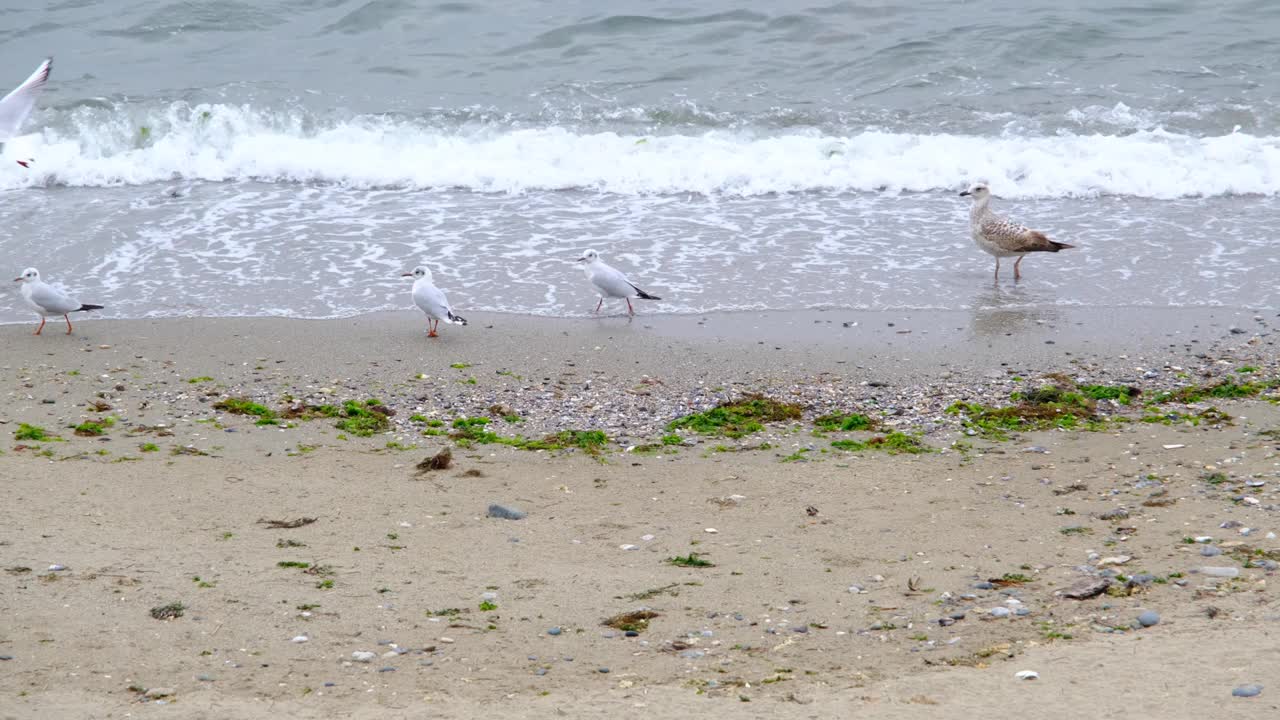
431, 327
1017, 275
68, 319
42, 320
630, 310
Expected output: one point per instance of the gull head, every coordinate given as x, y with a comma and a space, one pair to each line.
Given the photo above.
418, 273
589, 256
28, 275
978, 191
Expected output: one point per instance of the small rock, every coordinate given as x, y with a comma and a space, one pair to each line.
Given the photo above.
1222, 572
602, 670
1036, 449
1000, 612
1231, 525
1247, 691
1210, 551
386, 669
57, 568
300, 638
204, 678
855, 589
6, 657
159, 692
1027, 675
363, 656
505, 513
983, 586
554, 631
1114, 560
1117, 514
1149, 618
1088, 588
628, 547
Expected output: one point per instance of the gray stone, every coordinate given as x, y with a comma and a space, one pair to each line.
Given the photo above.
1210, 551
505, 513
1149, 618
554, 631
1247, 691
1087, 588
1000, 612
1222, 572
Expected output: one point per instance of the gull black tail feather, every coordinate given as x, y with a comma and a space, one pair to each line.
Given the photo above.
644, 295
87, 307
457, 319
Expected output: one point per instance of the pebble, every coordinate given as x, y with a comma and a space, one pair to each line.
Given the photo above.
1222, 572
631, 633
363, 656
166, 692
983, 586
1022, 612
57, 568
1231, 525
1247, 691
386, 669
1204, 539
490, 596
505, 513
554, 631
855, 589
1085, 589
1210, 551
1114, 560
1027, 675
1149, 618
1265, 563
603, 670
204, 678
1000, 612
300, 638
1036, 449
628, 547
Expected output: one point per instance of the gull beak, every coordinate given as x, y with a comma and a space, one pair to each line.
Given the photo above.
406, 274
17, 279
581, 259
966, 193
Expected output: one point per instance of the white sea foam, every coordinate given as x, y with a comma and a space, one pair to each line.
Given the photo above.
92, 147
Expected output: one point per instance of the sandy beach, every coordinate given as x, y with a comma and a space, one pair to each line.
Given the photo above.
908, 568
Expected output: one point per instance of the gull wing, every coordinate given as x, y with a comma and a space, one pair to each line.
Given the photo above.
17, 105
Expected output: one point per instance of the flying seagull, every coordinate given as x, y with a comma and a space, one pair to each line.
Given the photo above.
17, 105
610, 282
1001, 237
48, 300
432, 301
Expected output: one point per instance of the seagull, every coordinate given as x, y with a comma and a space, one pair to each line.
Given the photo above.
432, 301
17, 105
48, 300
1001, 237
610, 282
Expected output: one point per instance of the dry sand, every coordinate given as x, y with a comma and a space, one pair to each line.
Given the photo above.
771, 629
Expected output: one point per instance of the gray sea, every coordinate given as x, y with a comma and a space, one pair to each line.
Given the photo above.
292, 157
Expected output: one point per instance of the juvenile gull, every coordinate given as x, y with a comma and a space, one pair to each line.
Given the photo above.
17, 105
432, 301
610, 282
48, 300
1001, 237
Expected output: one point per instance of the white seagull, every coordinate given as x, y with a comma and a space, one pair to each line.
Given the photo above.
610, 282
17, 105
48, 300
1003, 238
432, 301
